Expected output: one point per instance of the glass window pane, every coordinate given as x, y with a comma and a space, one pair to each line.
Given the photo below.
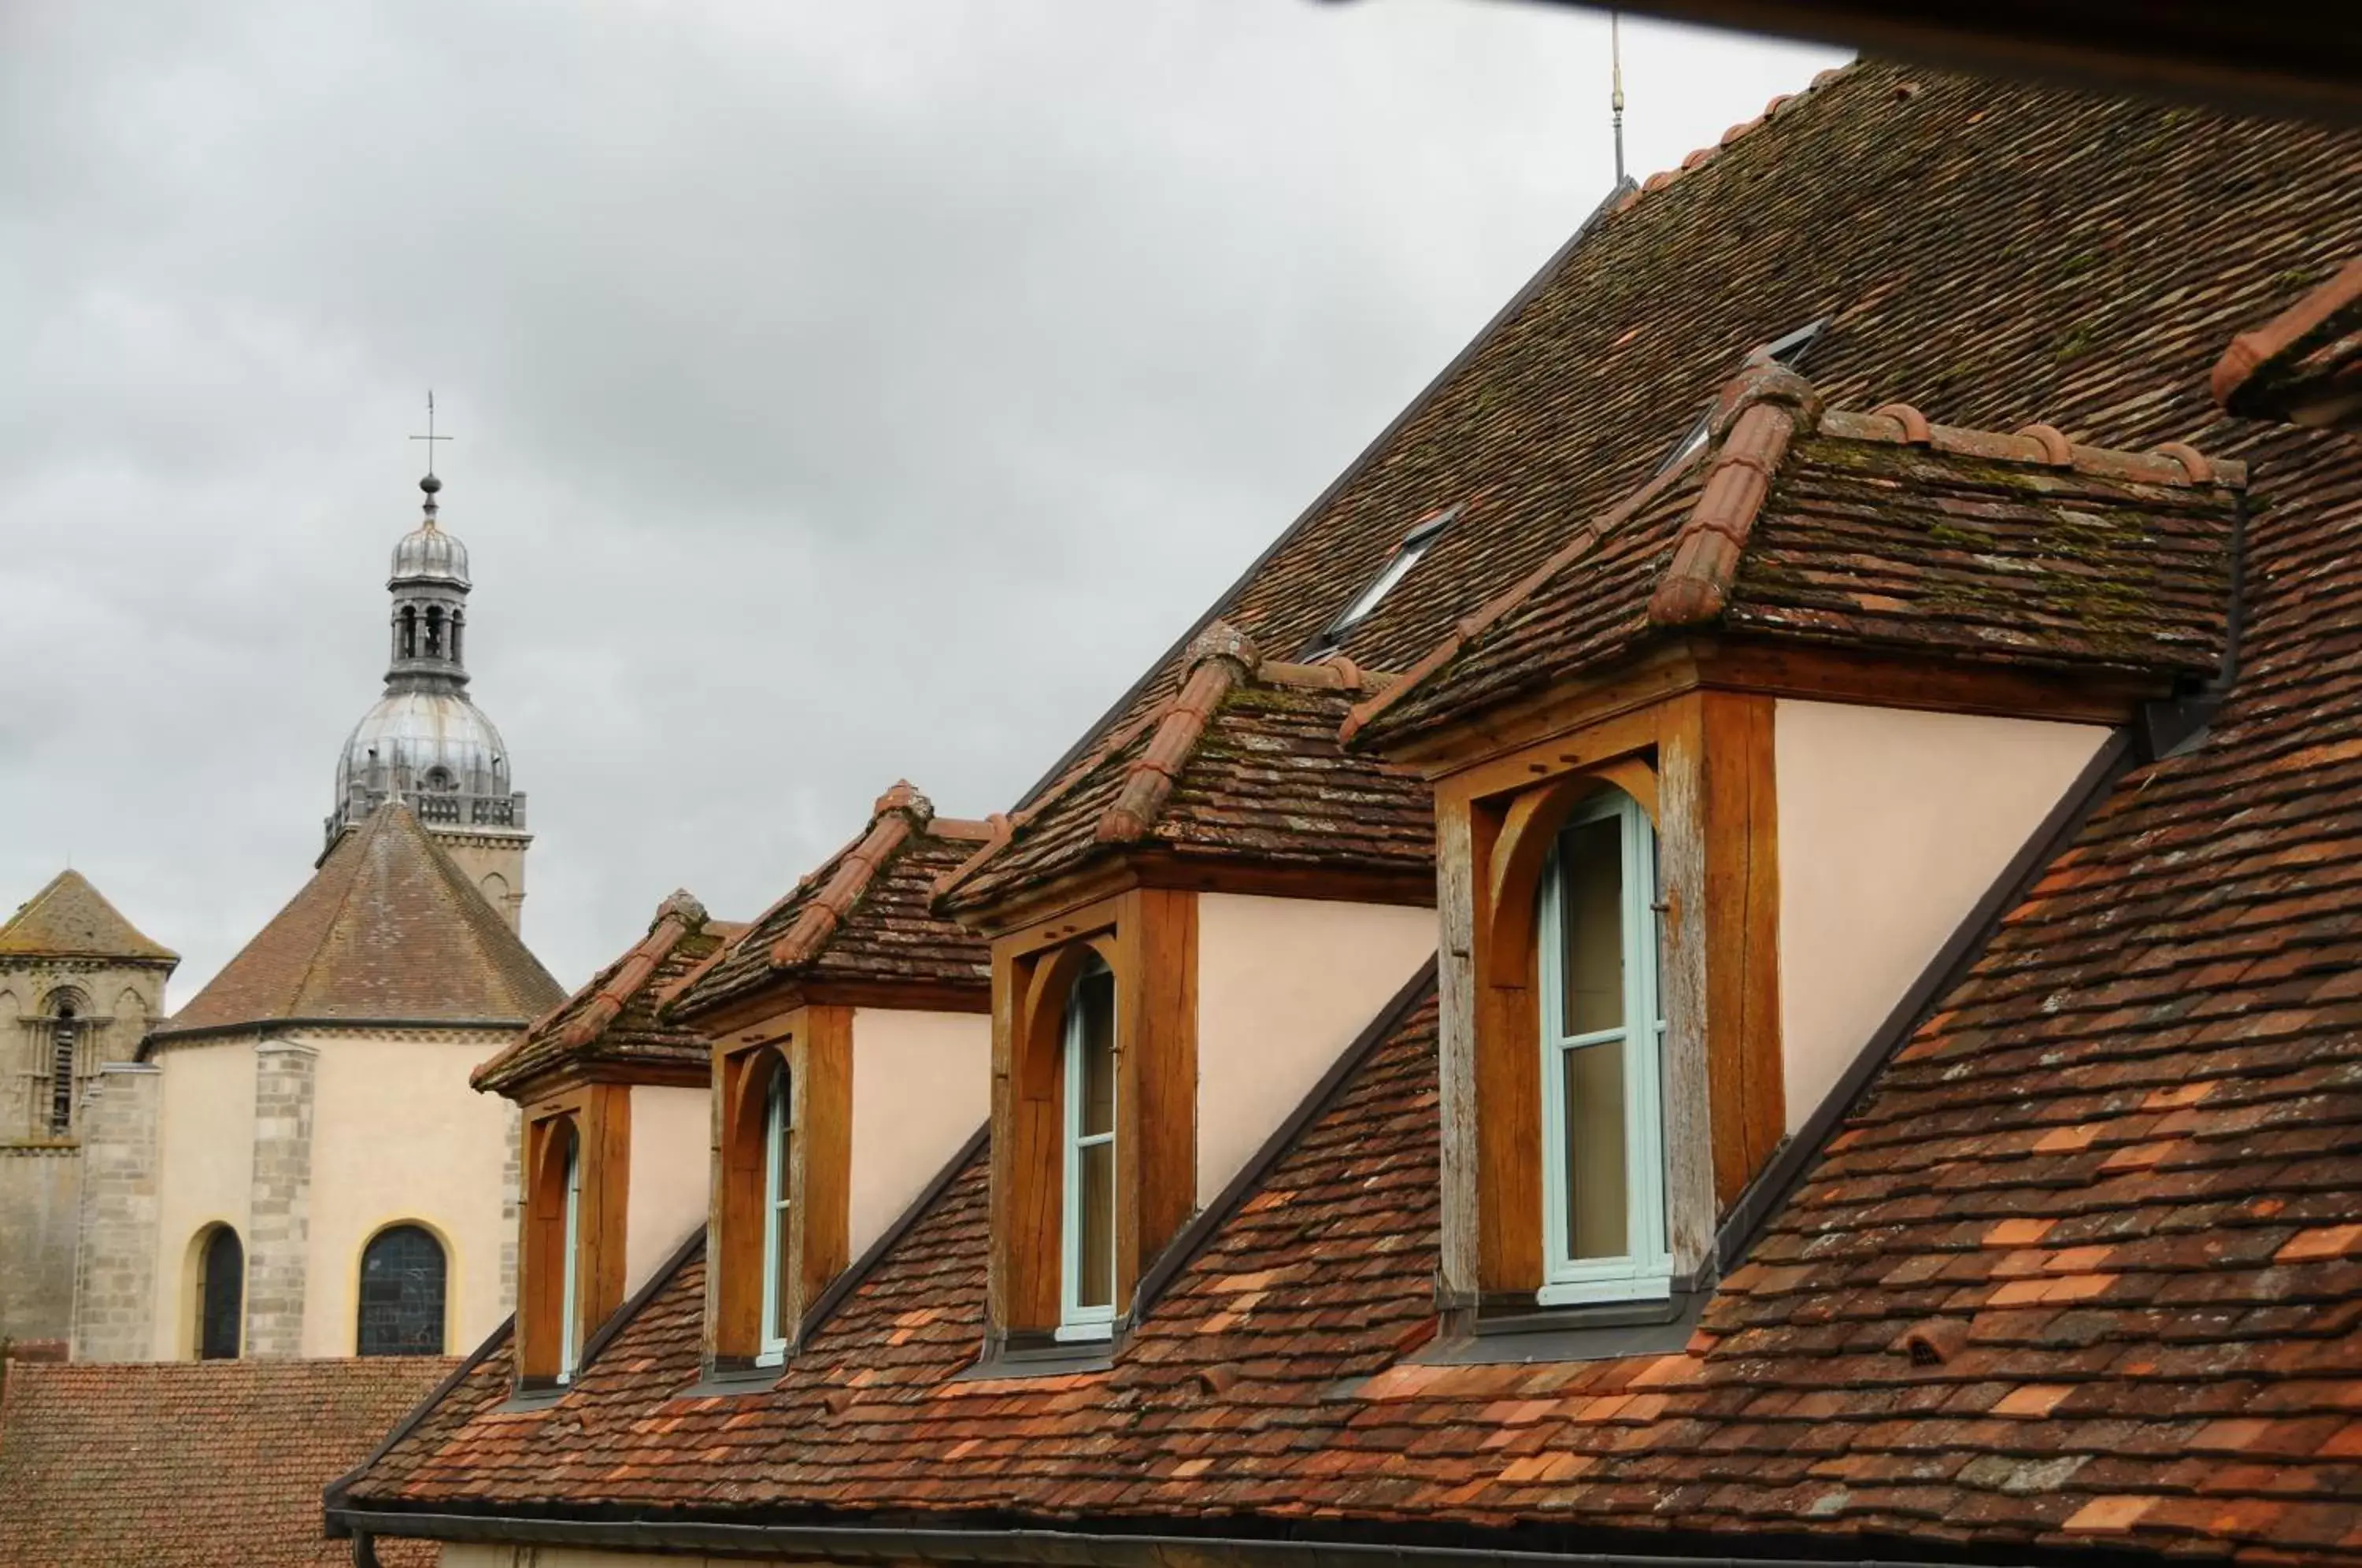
1095, 1286
221, 1290
1595, 1201
1095, 992
401, 1294
1591, 871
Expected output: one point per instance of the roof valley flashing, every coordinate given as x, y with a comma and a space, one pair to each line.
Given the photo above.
2085, 1232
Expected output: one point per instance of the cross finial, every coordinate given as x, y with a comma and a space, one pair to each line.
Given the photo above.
430, 437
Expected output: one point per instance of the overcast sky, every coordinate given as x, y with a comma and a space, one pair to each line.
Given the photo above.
840, 391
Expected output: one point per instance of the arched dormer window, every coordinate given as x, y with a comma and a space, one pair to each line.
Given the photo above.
438, 781
1087, 1212
404, 1279
220, 1293
570, 1295
1602, 1071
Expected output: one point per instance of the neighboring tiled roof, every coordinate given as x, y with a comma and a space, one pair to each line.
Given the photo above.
860, 918
1879, 531
193, 1465
2304, 365
615, 1017
1241, 762
388, 929
71, 919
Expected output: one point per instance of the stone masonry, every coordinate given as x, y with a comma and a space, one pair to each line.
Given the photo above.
114, 1275
280, 1210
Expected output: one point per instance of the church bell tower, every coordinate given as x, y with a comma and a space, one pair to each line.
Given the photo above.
425, 743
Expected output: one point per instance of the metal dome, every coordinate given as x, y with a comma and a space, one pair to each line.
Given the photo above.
428, 552
423, 742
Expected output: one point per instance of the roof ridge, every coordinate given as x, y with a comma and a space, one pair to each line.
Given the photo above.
609, 990
1780, 103
1759, 412
1218, 659
895, 814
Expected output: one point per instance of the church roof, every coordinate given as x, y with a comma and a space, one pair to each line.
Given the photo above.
71, 919
387, 931
613, 1019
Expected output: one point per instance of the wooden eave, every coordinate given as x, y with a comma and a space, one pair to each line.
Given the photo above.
1772, 667
1157, 865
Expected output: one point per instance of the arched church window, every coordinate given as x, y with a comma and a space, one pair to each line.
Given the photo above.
403, 1275
434, 631
409, 631
221, 1294
65, 1033
439, 779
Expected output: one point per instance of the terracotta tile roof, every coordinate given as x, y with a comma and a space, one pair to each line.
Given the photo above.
615, 1018
1880, 532
2135, 1375
193, 1465
2080, 1271
2305, 364
1997, 253
1241, 762
71, 919
862, 917
388, 929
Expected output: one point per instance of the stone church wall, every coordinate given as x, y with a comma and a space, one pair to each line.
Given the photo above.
40, 1196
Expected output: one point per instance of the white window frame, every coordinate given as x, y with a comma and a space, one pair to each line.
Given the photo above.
568, 1301
1415, 544
1077, 1322
1645, 1273
776, 1128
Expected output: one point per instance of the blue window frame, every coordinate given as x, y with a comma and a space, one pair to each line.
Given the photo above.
1602, 1051
1087, 1272
569, 1299
776, 1123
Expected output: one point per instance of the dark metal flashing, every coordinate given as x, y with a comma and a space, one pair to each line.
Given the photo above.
1399, 1547
1185, 1247
1770, 1191
1353, 471
332, 1495
1055, 1358
2172, 727
1517, 1333
849, 1278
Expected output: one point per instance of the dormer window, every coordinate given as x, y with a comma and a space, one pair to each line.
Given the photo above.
1089, 1209
1602, 1044
1415, 544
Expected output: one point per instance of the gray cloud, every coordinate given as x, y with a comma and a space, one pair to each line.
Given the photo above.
840, 391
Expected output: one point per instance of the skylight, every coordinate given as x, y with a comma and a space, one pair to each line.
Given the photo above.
1415, 544
1787, 350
